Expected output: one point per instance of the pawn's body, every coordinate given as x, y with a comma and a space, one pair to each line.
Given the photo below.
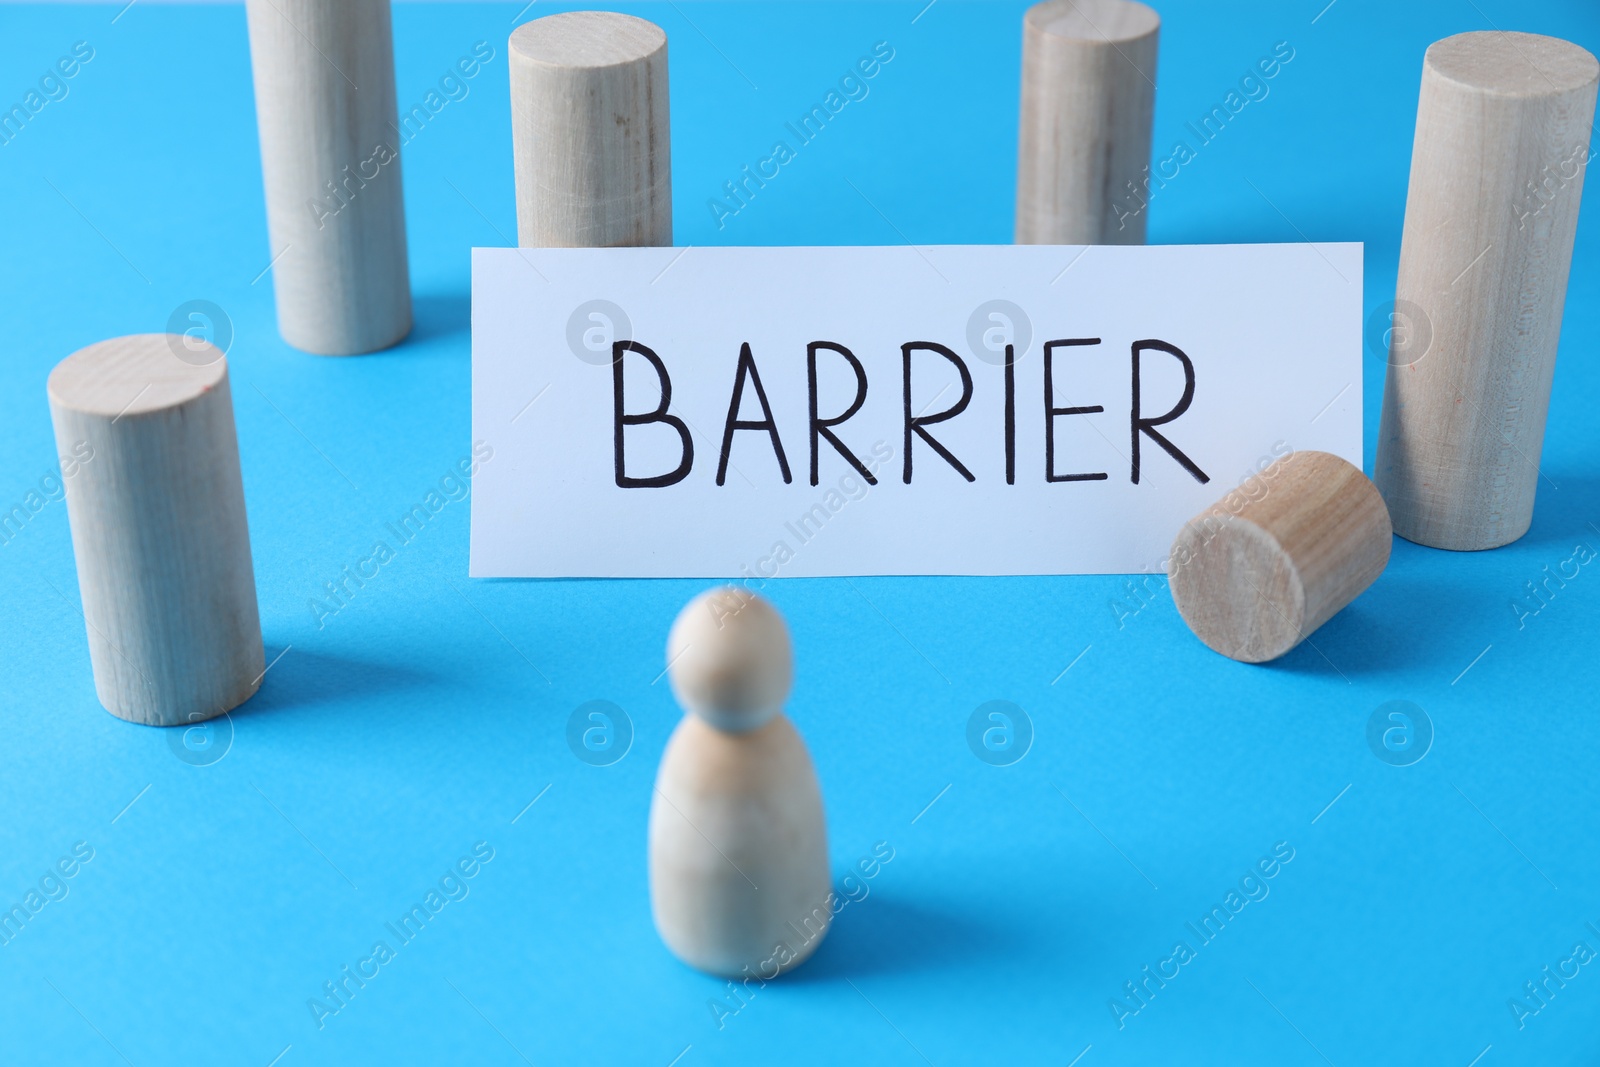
738, 852
738, 846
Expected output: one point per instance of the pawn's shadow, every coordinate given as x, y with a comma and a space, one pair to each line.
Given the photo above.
881, 934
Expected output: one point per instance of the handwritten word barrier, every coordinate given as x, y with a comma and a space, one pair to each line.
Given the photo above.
765, 412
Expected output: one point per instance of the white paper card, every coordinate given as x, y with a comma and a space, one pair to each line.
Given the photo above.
1243, 352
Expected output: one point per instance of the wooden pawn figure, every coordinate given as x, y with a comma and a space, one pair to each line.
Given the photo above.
330, 159
1502, 143
739, 879
156, 506
590, 137
1259, 571
1083, 142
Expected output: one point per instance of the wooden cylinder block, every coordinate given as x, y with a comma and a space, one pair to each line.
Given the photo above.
589, 129
1502, 143
330, 158
158, 527
1088, 97
1254, 579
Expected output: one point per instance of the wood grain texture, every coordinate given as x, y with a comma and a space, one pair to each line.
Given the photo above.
739, 879
1088, 97
1502, 143
158, 527
590, 131
1254, 580
330, 158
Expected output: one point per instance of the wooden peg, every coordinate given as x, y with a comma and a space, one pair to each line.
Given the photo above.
1088, 96
330, 157
738, 843
1502, 143
158, 527
589, 131
1256, 573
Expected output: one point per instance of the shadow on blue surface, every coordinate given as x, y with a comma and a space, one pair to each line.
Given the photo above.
436, 315
303, 680
886, 935
1566, 505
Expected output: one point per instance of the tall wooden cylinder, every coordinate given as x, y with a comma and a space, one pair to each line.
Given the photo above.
1256, 573
589, 130
1502, 143
158, 527
330, 158
1083, 144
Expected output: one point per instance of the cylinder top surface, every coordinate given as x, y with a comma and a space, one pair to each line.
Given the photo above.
136, 375
1512, 64
587, 39
1094, 21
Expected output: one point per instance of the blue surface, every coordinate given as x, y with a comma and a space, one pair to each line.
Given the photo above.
426, 714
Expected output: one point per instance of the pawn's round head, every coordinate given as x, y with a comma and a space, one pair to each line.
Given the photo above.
730, 660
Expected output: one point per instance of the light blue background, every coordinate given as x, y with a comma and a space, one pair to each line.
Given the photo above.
427, 714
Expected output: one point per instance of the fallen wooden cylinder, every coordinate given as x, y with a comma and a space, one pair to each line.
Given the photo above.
1255, 577
1502, 143
1083, 144
590, 132
158, 527
330, 160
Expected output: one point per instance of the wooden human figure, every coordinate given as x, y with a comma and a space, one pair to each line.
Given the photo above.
739, 879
